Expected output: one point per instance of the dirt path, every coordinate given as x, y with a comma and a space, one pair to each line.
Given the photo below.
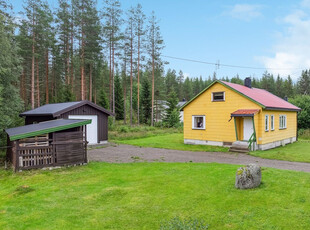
128, 153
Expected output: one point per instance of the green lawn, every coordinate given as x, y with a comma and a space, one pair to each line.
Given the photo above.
171, 141
143, 195
298, 151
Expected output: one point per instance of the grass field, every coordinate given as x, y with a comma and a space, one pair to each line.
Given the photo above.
143, 195
125, 132
298, 151
170, 141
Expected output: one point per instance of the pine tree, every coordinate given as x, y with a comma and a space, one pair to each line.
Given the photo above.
103, 99
288, 87
112, 15
303, 83
170, 117
119, 100
130, 31
146, 102
64, 28
140, 33
180, 81
187, 89
10, 69
155, 45
279, 87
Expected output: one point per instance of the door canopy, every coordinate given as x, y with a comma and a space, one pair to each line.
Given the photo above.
244, 113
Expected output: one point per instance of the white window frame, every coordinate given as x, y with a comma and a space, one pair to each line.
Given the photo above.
203, 121
266, 123
212, 96
272, 122
282, 121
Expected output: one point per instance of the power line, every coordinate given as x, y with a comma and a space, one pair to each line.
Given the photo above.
217, 64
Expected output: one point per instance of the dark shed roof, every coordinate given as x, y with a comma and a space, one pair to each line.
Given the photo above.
57, 109
44, 127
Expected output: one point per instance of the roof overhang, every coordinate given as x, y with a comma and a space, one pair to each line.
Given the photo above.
244, 113
41, 128
69, 108
282, 109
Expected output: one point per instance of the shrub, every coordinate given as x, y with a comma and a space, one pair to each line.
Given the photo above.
303, 102
124, 129
304, 133
183, 224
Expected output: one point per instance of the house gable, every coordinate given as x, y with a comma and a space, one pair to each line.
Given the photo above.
226, 86
219, 126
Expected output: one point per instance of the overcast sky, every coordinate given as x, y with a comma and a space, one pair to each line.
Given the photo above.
258, 34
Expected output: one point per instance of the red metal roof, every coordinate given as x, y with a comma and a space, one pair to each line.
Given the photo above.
263, 97
245, 112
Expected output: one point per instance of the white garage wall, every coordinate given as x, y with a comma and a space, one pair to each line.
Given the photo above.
91, 129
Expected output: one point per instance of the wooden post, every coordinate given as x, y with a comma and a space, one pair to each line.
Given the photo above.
85, 137
17, 156
254, 128
236, 128
54, 149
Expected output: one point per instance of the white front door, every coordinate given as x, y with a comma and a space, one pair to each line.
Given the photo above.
247, 128
91, 129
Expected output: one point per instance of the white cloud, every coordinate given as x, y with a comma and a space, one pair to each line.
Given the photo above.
186, 75
305, 3
292, 50
245, 12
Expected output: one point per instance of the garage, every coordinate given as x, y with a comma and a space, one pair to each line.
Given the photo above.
97, 131
92, 132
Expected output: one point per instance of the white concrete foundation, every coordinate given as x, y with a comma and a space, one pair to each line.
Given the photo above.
276, 143
201, 142
254, 146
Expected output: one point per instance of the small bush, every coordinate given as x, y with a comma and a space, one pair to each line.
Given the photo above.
124, 129
184, 224
304, 134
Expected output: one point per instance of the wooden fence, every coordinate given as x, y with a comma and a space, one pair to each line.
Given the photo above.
63, 148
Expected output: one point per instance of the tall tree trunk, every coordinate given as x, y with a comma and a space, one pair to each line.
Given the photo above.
153, 66
53, 79
67, 61
22, 85
72, 80
38, 83
125, 120
110, 85
125, 87
113, 86
46, 78
32, 63
131, 79
95, 96
82, 67
138, 79
90, 83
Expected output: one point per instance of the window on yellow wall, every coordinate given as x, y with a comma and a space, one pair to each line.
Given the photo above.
272, 122
266, 123
282, 122
198, 122
218, 96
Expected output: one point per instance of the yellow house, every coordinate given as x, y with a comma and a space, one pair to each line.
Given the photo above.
225, 113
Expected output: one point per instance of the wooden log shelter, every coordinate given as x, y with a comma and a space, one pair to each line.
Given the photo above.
97, 130
47, 144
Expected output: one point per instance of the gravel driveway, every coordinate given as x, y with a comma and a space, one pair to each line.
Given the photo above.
128, 153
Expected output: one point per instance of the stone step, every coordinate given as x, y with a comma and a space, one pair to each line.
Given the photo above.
238, 150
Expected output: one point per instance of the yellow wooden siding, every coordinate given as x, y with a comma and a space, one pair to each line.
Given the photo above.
277, 134
217, 115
